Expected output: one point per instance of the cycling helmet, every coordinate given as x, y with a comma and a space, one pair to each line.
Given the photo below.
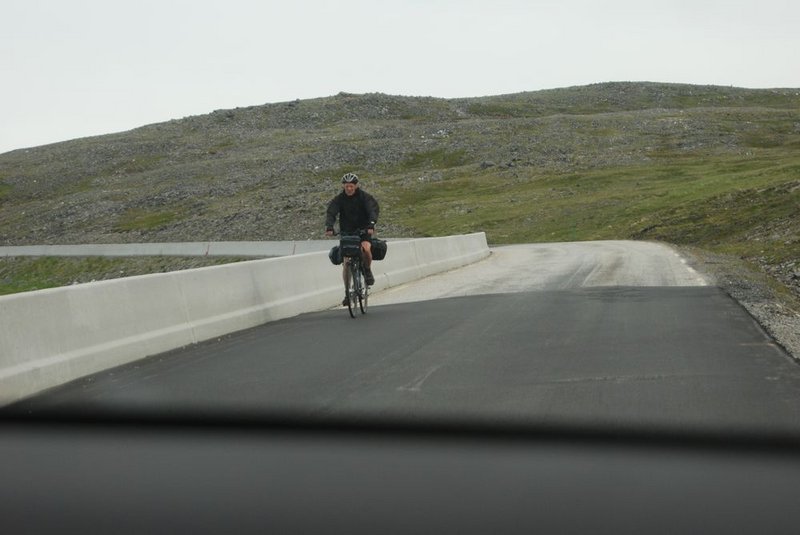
350, 178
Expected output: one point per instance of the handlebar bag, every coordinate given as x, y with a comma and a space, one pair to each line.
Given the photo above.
350, 246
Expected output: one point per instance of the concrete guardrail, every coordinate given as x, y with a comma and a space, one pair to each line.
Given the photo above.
50, 337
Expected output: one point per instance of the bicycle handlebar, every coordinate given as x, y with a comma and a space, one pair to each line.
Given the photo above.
357, 233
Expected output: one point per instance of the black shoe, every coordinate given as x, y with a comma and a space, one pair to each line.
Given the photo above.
345, 301
368, 278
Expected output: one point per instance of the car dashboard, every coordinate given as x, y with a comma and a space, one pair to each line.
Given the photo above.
286, 474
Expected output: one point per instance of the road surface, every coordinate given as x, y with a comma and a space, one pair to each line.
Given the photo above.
555, 266
599, 333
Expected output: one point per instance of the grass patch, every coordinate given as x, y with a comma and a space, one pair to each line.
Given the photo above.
499, 109
434, 159
5, 191
723, 203
143, 219
24, 274
222, 146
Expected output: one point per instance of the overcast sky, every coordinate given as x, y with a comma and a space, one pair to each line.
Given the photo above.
88, 67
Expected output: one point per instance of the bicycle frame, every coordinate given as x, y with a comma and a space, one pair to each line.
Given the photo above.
355, 285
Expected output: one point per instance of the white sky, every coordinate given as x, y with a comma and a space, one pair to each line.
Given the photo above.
77, 68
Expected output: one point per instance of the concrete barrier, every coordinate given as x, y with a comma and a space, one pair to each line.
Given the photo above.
50, 337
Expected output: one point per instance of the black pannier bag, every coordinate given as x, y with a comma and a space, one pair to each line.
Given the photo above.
335, 255
378, 249
350, 246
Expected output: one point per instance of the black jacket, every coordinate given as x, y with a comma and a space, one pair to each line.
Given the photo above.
355, 213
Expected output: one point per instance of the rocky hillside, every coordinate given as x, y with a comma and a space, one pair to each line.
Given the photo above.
621, 160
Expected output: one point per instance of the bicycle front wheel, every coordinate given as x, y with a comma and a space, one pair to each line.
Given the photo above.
351, 289
363, 294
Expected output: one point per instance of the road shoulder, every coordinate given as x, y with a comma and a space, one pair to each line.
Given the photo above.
775, 307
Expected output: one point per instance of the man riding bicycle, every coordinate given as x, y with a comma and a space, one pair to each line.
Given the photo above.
358, 212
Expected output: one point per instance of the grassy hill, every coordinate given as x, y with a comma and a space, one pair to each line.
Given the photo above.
711, 167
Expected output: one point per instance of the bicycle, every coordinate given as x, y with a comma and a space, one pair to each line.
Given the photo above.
355, 286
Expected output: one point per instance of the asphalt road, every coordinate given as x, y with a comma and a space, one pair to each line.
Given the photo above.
605, 333
555, 266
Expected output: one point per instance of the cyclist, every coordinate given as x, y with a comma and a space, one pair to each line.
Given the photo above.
358, 212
